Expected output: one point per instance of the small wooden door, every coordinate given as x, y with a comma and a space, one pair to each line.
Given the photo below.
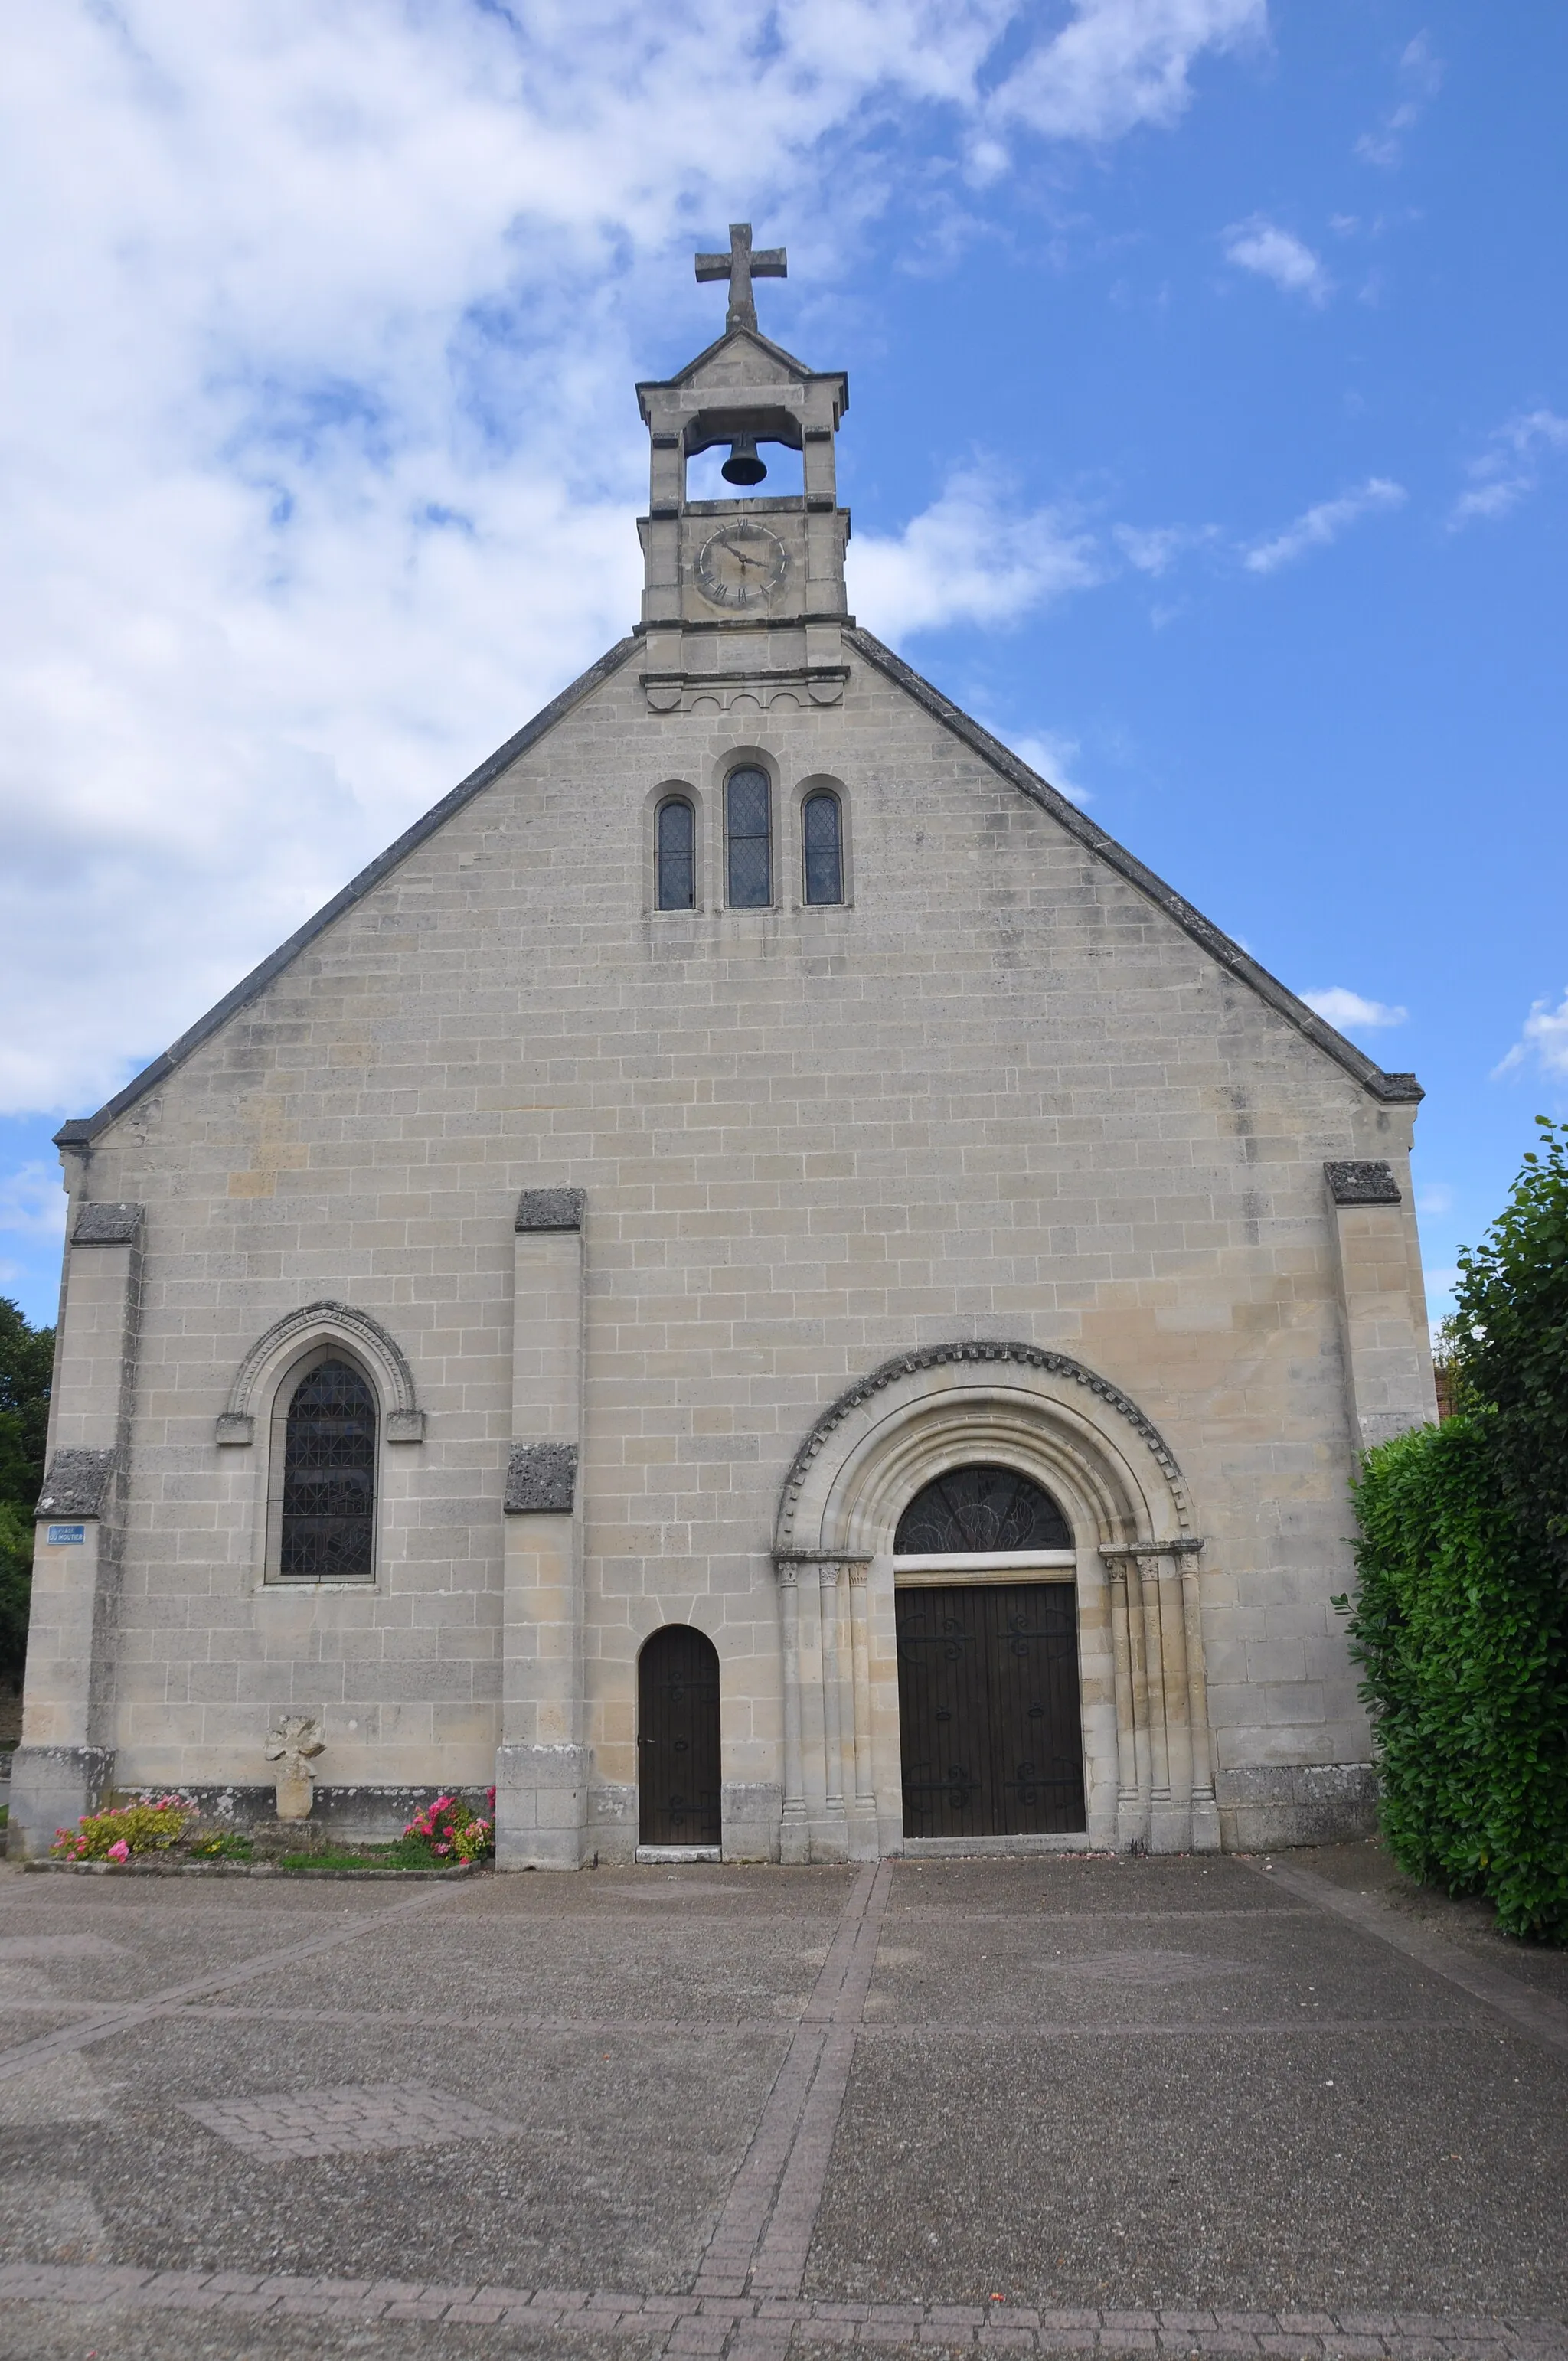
677, 1739
988, 1705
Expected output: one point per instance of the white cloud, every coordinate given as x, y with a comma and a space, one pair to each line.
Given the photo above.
32, 1200
1542, 1042
1154, 549
1276, 253
1120, 63
1420, 80
1434, 1197
969, 558
1317, 527
1349, 1012
1054, 757
1509, 468
319, 457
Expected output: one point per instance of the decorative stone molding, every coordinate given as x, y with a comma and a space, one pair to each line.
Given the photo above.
107, 1226
980, 1354
404, 1420
542, 1480
550, 1209
77, 1484
1362, 1184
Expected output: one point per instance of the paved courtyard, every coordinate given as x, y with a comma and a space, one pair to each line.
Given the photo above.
1047, 2106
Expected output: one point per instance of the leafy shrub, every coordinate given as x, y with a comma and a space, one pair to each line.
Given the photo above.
221, 1844
1511, 1335
117, 1835
1462, 1626
447, 1830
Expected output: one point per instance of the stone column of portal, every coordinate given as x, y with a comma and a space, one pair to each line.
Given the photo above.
831, 1842
65, 1763
1205, 1810
865, 1844
1171, 1826
541, 1784
1132, 1806
795, 1835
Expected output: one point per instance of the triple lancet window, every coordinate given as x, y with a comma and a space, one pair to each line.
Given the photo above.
327, 1528
753, 876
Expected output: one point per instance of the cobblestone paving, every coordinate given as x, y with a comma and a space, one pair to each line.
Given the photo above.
353, 2121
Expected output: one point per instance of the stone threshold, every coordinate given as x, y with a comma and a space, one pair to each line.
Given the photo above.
657, 1856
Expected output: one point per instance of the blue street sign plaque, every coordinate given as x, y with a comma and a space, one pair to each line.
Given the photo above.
66, 1533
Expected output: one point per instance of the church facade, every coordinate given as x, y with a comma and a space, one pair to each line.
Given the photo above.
756, 1281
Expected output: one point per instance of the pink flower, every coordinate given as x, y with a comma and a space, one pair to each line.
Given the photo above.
120, 1852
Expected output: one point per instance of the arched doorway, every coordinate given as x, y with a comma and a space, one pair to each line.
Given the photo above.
991, 1726
677, 1739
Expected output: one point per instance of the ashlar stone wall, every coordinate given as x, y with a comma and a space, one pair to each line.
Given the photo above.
999, 1094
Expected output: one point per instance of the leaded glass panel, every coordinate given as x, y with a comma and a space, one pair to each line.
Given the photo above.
980, 1508
749, 846
329, 1477
822, 834
676, 851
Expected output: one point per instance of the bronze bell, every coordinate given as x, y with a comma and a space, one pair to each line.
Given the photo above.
744, 467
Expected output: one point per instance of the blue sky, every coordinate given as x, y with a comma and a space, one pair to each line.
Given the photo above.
1208, 439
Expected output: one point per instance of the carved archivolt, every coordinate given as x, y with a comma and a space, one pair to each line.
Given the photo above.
1029, 1406
321, 1323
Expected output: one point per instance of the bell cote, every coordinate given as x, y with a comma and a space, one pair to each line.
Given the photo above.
743, 597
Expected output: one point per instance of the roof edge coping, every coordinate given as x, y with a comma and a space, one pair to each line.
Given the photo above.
1389, 1088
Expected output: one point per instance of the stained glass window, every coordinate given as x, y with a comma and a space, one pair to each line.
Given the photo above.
978, 1508
749, 840
821, 827
329, 1477
676, 855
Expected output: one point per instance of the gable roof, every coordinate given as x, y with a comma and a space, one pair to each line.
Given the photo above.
1390, 1088
1229, 954
784, 364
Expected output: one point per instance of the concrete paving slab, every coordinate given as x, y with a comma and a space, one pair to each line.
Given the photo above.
997, 2105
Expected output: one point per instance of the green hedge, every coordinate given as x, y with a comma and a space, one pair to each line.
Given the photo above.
1462, 1626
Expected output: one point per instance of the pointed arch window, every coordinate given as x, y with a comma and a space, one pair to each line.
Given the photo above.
326, 1529
675, 854
748, 838
822, 845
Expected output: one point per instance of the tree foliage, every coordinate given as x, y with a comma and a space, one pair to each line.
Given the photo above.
1511, 1330
1461, 1627
27, 1364
1462, 1617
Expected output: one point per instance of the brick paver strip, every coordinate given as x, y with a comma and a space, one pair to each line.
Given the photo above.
120, 2017
690, 2324
358, 2120
1535, 2013
764, 2227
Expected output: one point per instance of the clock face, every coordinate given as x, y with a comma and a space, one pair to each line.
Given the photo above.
741, 565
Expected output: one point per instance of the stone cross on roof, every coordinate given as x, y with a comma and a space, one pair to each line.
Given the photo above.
741, 266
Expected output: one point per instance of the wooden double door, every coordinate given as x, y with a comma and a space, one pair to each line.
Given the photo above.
677, 1739
989, 1712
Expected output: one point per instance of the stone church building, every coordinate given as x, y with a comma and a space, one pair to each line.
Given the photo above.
755, 1280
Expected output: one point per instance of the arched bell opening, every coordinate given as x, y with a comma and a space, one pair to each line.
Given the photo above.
677, 1739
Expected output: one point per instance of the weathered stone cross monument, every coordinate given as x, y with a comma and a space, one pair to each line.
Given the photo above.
741, 266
